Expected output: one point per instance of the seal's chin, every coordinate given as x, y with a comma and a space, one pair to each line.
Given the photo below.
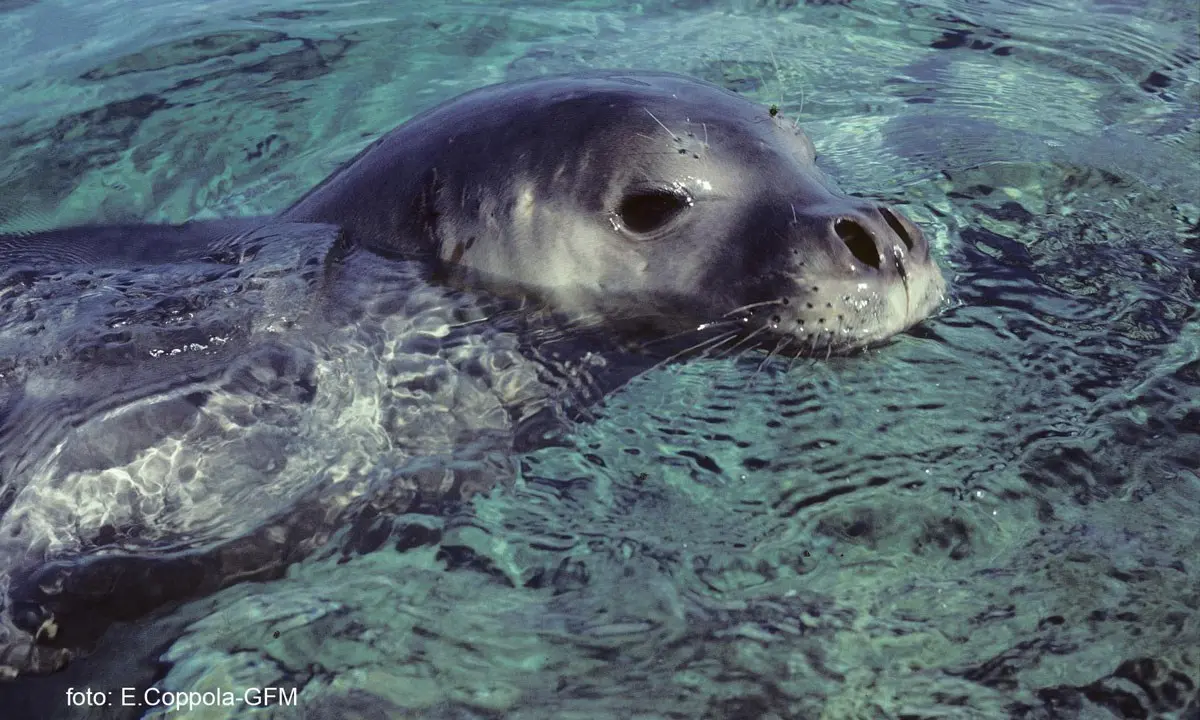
845, 315
816, 317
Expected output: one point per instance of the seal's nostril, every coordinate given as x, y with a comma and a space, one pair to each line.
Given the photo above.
856, 237
897, 227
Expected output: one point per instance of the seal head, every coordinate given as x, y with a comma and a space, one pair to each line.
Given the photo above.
645, 200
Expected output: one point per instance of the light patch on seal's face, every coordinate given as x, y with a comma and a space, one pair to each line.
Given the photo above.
524, 206
703, 184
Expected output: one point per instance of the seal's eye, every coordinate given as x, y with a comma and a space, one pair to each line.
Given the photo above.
645, 211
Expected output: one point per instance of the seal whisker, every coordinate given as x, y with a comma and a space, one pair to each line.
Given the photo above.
797, 356
741, 354
783, 343
751, 306
778, 74
747, 338
681, 333
660, 123
726, 337
816, 342
710, 342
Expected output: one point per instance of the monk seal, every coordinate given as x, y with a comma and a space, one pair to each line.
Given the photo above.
636, 205
647, 194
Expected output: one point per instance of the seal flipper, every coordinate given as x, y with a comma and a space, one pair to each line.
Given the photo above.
109, 245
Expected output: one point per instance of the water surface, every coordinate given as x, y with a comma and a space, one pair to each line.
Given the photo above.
992, 517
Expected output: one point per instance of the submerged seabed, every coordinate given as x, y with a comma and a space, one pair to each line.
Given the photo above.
993, 517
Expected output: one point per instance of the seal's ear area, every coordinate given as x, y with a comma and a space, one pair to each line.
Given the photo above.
120, 245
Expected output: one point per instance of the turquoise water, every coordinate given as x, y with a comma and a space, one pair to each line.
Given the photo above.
992, 517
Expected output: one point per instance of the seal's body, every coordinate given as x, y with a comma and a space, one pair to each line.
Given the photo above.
154, 377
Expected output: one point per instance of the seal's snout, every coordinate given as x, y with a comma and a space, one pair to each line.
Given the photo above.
879, 238
858, 241
866, 274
